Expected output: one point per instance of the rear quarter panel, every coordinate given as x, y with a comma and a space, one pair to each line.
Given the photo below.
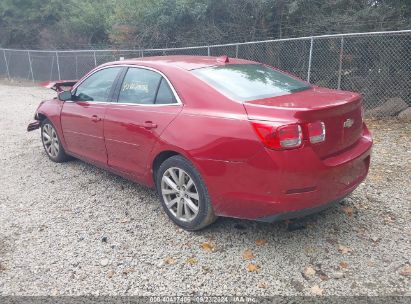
212, 137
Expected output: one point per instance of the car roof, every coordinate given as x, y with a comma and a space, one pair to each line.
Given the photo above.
183, 62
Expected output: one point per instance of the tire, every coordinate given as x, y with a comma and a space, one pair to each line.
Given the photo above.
51, 143
181, 197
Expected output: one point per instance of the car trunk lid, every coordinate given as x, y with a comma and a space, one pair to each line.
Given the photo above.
340, 111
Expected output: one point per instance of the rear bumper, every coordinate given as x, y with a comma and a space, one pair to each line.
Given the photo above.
276, 185
299, 213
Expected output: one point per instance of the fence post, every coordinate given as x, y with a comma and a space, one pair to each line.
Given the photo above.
51, 68
76, 67
142, 53
7, 65
58, 65
208, 51
31, 67
236, 51
95, 60
309, 59
340, 63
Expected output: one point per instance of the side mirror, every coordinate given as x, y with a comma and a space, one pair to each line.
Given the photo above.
65, 95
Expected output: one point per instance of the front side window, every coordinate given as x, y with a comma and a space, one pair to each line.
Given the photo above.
245, 82
97, 87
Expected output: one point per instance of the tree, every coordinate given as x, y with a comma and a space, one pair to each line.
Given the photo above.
160, 23
21, 21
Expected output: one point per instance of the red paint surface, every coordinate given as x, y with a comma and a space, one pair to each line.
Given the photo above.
244, 178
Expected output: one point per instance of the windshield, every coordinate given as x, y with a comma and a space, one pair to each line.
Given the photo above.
245, 82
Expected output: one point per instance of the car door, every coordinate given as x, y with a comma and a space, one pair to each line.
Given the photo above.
146, 105
82, 118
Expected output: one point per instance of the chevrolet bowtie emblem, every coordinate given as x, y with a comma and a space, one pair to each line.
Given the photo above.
348, 123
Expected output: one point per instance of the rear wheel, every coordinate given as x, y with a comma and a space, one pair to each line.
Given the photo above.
51, 142
184, 194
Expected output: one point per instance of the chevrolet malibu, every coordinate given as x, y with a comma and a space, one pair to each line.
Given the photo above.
215, 136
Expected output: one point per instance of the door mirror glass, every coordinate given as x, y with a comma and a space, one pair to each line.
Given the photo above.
65, 95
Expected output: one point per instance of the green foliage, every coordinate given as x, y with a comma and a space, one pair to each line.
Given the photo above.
21, 21
85, 22
159, 23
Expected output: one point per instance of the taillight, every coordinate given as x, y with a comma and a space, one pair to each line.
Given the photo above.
279, 137
290, 136
316, 132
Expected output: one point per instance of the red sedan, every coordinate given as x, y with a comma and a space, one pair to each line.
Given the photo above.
214, 136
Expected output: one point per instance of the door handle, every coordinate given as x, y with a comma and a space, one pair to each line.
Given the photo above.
149, 125
95, 118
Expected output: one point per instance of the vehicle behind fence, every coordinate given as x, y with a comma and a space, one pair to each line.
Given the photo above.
376, 64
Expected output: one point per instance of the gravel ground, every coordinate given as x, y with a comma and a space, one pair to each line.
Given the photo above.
73, 229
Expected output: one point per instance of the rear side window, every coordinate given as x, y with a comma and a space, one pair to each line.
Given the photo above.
139, 86
245, 82
164, 94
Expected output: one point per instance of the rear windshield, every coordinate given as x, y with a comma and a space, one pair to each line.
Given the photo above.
244, 82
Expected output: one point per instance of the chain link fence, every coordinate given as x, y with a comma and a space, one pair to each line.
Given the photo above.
376, 64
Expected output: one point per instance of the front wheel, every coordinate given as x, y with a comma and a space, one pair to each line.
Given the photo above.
184, 194
51, 142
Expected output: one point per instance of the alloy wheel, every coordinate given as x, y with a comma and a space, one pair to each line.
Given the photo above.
50, 140
180, 194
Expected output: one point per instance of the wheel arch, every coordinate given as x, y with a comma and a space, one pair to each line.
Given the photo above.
46, 111
159, 159
41, 116
165, 153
